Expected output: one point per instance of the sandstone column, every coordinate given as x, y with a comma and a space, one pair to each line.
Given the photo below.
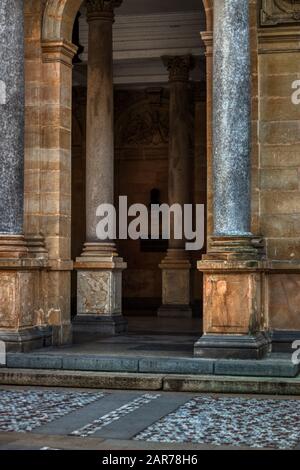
19, 274
233, 316
176, 265
99, 267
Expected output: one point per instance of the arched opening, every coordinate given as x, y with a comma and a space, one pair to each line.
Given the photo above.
139, 150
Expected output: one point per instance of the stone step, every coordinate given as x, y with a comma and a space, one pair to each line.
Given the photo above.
136, 381
275, 365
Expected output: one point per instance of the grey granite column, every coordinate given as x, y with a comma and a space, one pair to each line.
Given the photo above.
11, 117
231, 118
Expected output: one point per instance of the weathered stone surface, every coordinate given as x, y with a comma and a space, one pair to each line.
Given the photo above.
33, 361
284, 301
275, 12
11, 116
176, 366
102, 364
231, 303
260, 385
275, 367
105, 380
99, 292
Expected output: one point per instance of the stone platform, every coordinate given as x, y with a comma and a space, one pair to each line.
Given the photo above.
153, 346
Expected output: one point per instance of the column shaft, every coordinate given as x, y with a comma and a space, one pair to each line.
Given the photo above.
100, 124
179, 163
231, 118
11, 117
176, 265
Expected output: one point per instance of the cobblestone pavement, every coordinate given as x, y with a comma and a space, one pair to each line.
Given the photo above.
58, 418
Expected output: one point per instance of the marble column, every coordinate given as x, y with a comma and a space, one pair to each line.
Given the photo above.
231, 118
19, 272
176, 265
234, 323
100, 268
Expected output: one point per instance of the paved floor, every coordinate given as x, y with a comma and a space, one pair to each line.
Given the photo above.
38, 418
147, 336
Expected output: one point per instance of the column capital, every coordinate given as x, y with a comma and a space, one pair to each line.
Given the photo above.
101, 9
179, 67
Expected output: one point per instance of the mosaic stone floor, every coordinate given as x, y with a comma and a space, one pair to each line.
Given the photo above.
259, 423
115, 415
169, 418
23, 411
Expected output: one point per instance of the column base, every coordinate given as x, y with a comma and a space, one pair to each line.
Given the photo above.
99, 289
175, 311
62, 335
101, 325
26, 339
232, 346
175, 268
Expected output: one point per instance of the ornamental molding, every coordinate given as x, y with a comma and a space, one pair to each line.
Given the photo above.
179, 67
276, 12
101, 8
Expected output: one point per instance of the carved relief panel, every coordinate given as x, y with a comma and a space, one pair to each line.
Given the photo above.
276, 12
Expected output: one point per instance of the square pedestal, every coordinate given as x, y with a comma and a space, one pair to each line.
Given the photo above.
19, 302
99, 296
175, 289
234, 296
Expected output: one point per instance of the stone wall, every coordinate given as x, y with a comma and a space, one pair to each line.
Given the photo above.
279, 196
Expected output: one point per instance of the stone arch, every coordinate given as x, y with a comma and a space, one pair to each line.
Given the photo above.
58, 20
208, 7
55, 136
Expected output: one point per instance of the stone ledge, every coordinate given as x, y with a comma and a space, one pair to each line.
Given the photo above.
276, 366
223, 384
267, 368
174, 383
177, 366
74, 379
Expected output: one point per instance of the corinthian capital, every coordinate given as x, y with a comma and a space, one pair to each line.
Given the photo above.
179, 67
101, 8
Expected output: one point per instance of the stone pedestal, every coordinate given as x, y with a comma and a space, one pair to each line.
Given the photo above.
176, 285
99, 291
176, 265
20, 328
99, 268
234, 320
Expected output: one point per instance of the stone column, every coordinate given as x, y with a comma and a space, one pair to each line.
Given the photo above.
233, 313
176, 265
99, 268
11, 127
19, 273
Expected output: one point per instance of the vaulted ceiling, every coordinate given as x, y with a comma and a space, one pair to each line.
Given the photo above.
146, 30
